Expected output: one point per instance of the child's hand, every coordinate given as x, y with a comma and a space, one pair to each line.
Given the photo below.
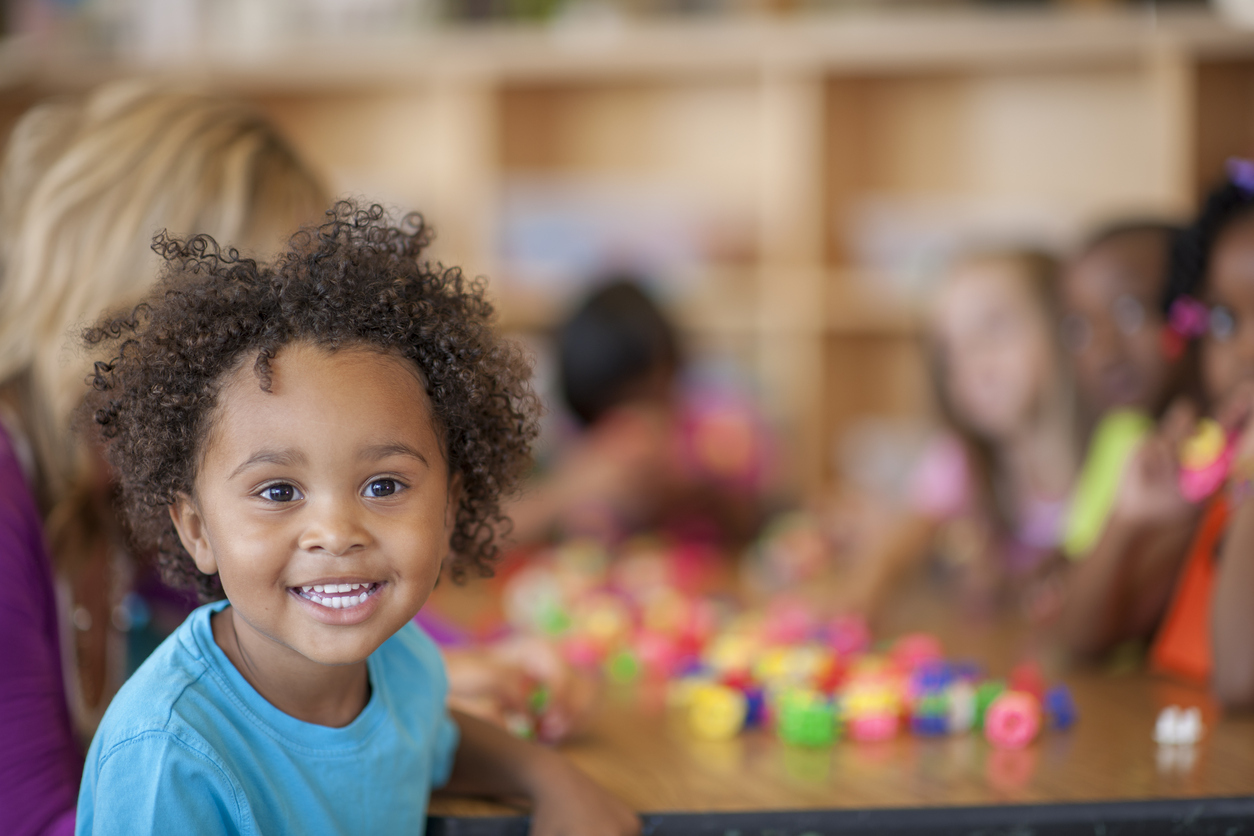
1149, 492
497, 684
572, 804
1234, 415
569, 694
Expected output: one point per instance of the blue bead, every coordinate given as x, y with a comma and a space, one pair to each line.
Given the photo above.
1060, 710
927, 725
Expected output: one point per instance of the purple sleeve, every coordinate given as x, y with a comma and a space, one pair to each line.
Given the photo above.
40, 769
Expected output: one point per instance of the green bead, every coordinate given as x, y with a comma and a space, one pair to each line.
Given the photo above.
539, 700
806, 720
984, 696
553, 620
624, 667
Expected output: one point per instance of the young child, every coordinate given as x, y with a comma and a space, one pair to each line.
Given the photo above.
990, 494
1112, 325
1133, 575
640, 459
303, 443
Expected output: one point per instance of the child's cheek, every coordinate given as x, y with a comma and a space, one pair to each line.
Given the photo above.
1217, 371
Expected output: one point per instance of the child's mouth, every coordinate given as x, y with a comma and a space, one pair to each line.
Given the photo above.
340, 596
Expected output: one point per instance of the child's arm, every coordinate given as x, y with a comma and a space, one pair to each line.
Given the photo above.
565, 801
874, 581
1120, 589
1232, 607
1232, 617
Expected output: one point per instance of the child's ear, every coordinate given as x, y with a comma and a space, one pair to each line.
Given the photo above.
453, 502
191, 528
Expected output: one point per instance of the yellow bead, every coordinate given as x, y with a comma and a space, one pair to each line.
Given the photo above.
1204, 446
716, 712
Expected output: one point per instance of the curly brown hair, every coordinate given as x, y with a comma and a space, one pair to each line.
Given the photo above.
355, 280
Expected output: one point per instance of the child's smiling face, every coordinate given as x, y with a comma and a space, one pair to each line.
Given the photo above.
335, 477
997, 356
1228, 348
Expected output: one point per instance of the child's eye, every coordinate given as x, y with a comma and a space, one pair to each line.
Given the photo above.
280, 493
1223, 324
381, 487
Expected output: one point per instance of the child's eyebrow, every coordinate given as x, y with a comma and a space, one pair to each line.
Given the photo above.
397, 448
287, 458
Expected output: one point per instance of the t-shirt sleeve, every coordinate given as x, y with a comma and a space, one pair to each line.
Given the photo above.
158, 783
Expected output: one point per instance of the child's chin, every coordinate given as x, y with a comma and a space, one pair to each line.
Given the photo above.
340, 657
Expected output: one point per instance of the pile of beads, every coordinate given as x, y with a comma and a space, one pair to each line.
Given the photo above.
645, 615
814, 696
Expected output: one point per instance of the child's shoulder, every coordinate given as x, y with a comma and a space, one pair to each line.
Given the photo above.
158, 697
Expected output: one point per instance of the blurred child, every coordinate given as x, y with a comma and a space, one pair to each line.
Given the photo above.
1133, 575
1112, 297
304, 443
991, 494
640, 458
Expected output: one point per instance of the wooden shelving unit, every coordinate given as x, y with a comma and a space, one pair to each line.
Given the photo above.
783, 128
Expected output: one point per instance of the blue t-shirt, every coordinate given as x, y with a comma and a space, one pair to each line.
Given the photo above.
188, 746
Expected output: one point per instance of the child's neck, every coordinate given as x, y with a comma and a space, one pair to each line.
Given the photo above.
322, 694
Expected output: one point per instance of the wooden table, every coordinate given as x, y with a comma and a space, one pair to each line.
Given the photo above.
645, 755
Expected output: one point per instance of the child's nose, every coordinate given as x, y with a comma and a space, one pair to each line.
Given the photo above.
335, 528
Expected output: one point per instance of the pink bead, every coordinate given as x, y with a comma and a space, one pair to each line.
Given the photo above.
869, 728
1013, 720
913, 650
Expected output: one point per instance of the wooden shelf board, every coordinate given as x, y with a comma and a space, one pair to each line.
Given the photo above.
881, 43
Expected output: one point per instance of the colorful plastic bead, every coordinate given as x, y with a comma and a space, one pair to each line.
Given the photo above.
1178, 727
848, 635
1060, 708
913, 650
623, 667
806, 718
1013, 720
755, 707
1027, 677
870, 728
716, 712
984, 696
961, 715
1205, 458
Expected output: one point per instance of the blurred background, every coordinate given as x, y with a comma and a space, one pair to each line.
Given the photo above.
789, 176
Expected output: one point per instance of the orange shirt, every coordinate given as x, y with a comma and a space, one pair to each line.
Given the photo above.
1183, 645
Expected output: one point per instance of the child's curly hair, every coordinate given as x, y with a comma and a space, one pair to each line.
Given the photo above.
1229, 201
355, 280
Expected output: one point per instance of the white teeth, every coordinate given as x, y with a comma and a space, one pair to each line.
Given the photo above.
338, 602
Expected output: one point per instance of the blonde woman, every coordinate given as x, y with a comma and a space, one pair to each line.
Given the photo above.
84, 185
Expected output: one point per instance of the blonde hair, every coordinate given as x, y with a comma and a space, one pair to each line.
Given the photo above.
84, 185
